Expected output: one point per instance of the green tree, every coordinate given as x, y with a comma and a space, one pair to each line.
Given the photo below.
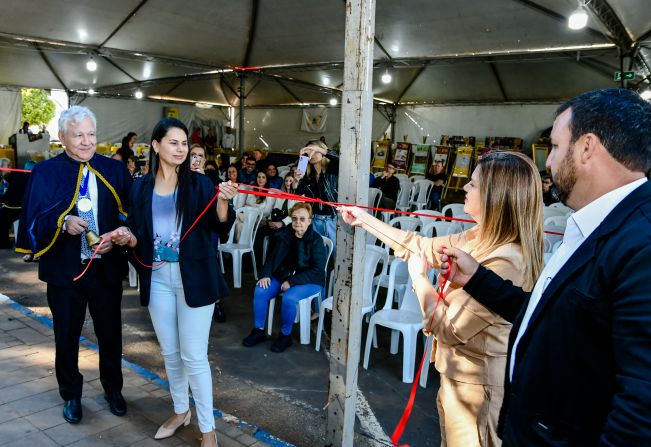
38, 108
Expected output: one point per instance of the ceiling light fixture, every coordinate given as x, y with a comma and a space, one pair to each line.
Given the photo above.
91, 91
138, 94
333, 101
646, 94
203, 105
579, 18
91, 65
386, 77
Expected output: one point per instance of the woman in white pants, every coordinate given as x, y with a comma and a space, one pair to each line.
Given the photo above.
182, 282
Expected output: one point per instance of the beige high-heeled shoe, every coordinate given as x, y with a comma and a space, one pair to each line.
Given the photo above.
216, 442
164, 432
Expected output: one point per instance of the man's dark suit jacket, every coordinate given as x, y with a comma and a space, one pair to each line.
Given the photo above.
51, 195
203, 282
582, 375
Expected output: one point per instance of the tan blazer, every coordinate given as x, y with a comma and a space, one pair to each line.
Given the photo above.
471, 340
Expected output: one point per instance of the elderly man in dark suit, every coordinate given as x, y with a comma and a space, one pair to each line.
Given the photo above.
68, 197
579, 361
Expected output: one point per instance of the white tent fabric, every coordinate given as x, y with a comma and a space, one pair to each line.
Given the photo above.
11, 105
116, 117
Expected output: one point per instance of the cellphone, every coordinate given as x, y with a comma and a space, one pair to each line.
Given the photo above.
302, 163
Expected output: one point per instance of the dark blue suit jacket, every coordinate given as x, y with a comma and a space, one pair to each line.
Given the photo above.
50, 196
203, 282
583, 367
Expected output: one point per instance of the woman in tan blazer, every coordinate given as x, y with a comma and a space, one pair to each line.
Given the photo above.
505, 199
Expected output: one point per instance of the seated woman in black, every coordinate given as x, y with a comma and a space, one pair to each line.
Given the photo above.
296, 266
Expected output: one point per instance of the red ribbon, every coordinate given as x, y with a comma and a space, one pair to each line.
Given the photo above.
400, 428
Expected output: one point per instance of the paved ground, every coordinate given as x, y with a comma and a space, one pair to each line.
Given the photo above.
30, 406
283, 394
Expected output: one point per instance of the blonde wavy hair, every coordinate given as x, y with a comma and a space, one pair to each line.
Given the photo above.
511, 209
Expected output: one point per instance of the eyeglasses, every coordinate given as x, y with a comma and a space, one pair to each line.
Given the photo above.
251, 164
300, 219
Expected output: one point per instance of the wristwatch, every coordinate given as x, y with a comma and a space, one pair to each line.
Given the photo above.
65, 220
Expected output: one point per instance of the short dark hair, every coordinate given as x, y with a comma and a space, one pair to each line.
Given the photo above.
620, 118
544, 177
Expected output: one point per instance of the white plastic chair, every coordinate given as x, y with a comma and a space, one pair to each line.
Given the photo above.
437, 229
552, 239
466, 225
252, 218
240, 198
560, 206
304, 311
420, 199
454, 208
415, 178
558, 221
427, 216
402, 203
133, 276
408, 319
282, 171
402, 177
374, 255
553, 212
374, 197
16, 222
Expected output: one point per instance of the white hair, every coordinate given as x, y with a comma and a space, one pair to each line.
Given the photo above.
75, 114
5, 162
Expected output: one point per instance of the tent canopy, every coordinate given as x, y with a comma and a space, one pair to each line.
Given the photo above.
437, 51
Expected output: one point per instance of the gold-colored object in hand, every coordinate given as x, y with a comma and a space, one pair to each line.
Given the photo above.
92, 238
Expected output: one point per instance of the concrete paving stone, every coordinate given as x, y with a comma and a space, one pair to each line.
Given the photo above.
9, 323
16, 351
33, 440
28, 335
24, 375
47, 418
24, 361
226, 441
160, 393
7, 413
10, 342
231, 431
93, 403
132, 393
246, 439
15, 430
125, 434
22, 390
150, 387
135, 380
260, 444
90, 424
35, 403
37, 326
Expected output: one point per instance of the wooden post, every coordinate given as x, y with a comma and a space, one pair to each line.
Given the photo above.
356, 116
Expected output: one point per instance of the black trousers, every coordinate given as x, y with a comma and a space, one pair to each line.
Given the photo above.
68, 305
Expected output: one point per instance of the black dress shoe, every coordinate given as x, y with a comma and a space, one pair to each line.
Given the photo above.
219, 315
256, 336
72, 411
117, 405
282, 342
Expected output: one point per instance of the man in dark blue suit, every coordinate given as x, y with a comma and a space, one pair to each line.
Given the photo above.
67, 198
579, 361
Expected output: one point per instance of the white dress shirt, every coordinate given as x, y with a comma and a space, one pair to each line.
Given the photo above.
579, 226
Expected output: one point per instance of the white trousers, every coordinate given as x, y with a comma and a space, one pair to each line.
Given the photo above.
182, 333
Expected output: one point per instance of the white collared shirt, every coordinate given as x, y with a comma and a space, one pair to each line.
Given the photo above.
579, 226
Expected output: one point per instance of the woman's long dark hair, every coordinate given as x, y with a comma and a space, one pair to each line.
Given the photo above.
125, 140
182, 171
